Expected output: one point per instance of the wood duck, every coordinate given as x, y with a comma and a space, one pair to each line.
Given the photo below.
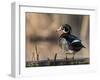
69, 42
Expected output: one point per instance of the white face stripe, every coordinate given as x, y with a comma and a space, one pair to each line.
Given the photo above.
60, 28
63, 31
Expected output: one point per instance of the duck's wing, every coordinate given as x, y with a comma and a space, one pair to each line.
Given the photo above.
73, 37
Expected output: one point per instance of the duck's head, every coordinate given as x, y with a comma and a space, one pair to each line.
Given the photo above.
65, 29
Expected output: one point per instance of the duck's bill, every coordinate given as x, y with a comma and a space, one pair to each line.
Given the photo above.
59, 29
